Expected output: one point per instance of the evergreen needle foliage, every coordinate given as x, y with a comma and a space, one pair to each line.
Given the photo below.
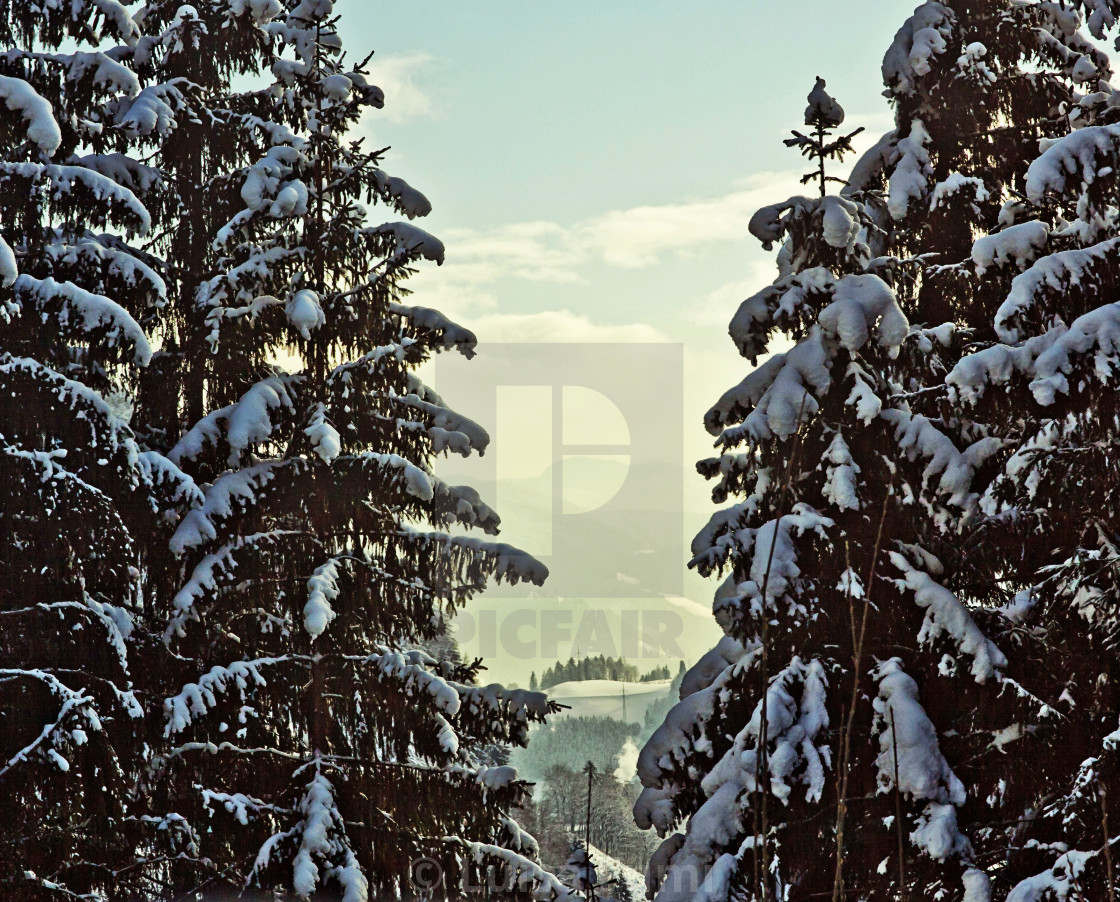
228, 564
914, 698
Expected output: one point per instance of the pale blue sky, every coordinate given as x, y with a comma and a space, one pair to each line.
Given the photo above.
559, 111
592, 168
572, 117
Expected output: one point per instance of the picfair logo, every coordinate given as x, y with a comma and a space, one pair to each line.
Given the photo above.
585, 464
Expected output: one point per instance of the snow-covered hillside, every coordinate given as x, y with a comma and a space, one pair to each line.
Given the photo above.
608, 868
606, 698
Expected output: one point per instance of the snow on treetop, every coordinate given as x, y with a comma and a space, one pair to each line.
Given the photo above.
823, 108
76, 713
717, 882
157, 470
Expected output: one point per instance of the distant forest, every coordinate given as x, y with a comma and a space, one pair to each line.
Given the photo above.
599, 668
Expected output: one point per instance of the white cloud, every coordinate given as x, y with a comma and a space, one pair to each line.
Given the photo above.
538, 251
638, 237
633, 238
406, 98
687, 604
558, 326
718, 306
641, 236
467, 287
875, 124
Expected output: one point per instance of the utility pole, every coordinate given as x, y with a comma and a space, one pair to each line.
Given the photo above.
589, 769
624, 703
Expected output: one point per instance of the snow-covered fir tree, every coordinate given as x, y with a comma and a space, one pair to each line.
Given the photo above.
313, 722
308, 737
1044, 380
80, 498
875, 557
216, 52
